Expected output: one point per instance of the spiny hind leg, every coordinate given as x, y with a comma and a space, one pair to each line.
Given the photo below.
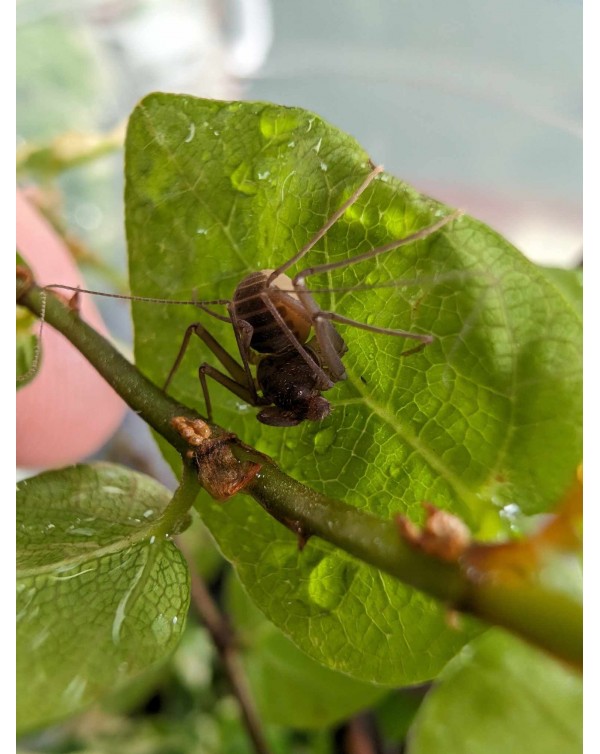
330, 223
424, 340
299, 279
237, 388
237, 372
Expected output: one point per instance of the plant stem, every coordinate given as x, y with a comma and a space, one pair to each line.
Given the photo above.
154, 406
225, 642
545, 617
181, 502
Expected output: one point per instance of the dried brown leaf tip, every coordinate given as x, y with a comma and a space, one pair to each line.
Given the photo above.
24, 281
443, 536
561, 532
221, 474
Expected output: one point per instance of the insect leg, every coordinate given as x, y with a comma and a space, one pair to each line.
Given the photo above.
332, 221
417, 236
325, 382
243, 335
237, 372
425, 340
237, 388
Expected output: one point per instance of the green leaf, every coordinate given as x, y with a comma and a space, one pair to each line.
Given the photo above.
27, 342
395, 713
98, 599
27, 348
487, 416
501, 695
569, 283
289, 688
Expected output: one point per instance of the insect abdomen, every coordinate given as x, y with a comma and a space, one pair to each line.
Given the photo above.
268, 335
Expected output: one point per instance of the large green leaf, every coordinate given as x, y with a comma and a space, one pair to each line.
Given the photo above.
487, 416
289, 688
98, 599
501, 695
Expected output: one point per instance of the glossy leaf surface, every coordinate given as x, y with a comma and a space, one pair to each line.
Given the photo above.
501, 695
487, 416
98, 598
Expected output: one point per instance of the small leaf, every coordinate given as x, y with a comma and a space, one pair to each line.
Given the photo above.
501, 695
28, 345
27, 348
290, 688
98, 601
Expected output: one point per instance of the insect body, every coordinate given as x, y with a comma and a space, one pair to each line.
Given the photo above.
300, 349
279, 326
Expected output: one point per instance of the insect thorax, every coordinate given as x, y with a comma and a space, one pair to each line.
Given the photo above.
254, 303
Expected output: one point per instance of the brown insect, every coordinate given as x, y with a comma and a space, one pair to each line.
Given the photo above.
298, 351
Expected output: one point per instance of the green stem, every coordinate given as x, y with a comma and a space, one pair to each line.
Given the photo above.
181, 502
545, 617
363, 535
154, 406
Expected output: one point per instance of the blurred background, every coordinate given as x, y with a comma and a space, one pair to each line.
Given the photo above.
475, 102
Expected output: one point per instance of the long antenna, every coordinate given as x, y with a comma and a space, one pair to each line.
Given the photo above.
332, 221
143, 299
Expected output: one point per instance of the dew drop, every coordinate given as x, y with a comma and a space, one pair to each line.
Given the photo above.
75, 689
395, 471
161, 628
373, 277
81, 532
276, 123
513, 515
241, 179
323, 440
329, 581
191, 133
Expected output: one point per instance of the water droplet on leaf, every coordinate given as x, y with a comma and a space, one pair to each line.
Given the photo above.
276, 123
242, 180
329, 581
323, 440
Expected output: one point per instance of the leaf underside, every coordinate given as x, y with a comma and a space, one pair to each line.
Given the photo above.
290, 688
500, 695
488, 416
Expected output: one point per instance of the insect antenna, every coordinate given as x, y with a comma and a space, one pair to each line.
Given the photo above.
143, 299
417, 236
332, 221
